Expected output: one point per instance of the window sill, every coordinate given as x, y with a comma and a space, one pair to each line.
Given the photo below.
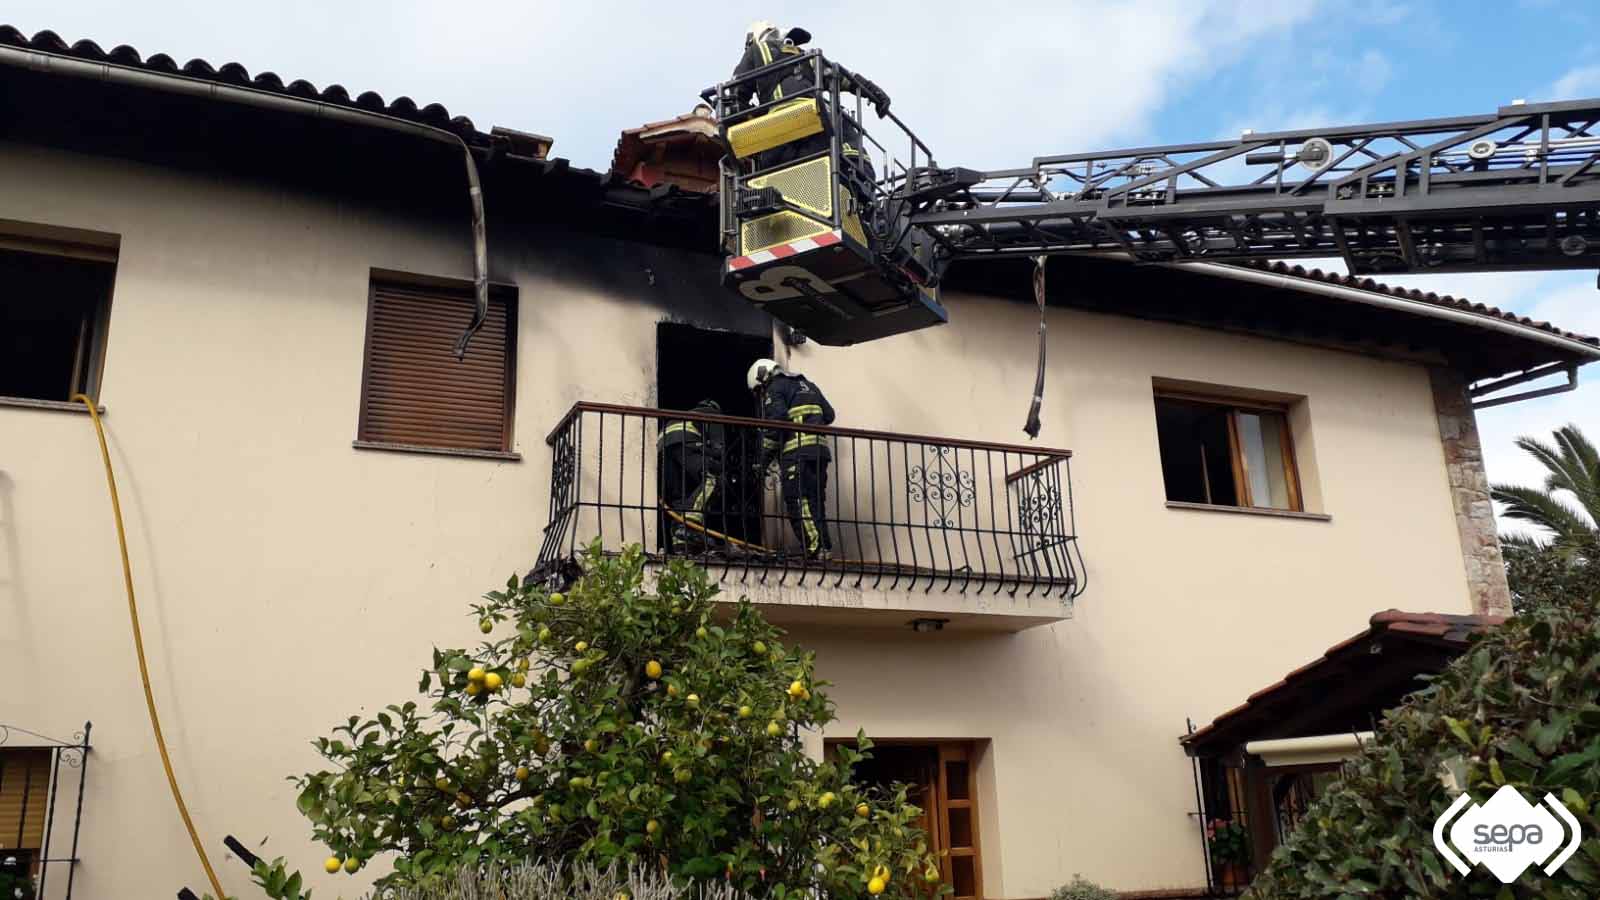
501, 455
69, 406
1250, 511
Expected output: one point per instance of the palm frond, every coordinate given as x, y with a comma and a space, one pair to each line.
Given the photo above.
1541, 508
1583, 462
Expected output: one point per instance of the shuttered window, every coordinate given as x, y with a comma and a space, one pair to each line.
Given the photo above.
415, 394
24, 795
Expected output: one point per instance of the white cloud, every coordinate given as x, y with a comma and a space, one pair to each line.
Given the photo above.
1060, 75
1577, 84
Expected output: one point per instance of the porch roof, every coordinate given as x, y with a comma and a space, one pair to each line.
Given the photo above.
1349, 685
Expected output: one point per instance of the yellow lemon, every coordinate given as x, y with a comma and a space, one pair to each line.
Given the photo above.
796, 689
692, 699
522, 773
518, 680
331, 864
557, 598
652, 826
652, 669
581, 646
448, 823
672, 690
477, 674
760, 648
863, 810
876, 886
666, 756
590, 745
826, 800
701, 632
682, 775
486, 626
442, 784
544, 634
523, 664
930, 875
774, 729
473, 688
579, 667
745, 711
492, 681
352, 865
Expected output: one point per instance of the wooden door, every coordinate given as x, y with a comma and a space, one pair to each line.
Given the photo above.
957, 820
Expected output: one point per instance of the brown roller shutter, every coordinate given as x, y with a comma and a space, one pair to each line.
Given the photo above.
24, 795
414, 392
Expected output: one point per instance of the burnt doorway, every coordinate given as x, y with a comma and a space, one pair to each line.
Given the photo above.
694, 364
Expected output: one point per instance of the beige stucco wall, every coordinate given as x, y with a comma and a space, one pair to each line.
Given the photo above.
285, 578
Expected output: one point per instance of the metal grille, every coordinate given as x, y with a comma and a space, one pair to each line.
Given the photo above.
778, 228
900, 511
414, 391
41, 800
808, 185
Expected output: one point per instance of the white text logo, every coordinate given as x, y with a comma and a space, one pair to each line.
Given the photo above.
1507, 834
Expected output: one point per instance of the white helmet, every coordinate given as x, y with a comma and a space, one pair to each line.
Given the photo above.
761, 371
758, 31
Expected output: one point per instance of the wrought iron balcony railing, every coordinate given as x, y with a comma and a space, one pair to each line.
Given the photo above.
901, 511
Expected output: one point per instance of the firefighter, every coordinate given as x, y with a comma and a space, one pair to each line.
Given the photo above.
766, 44
691, 458
802, 458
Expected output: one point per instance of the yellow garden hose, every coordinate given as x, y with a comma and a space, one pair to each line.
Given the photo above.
138, 646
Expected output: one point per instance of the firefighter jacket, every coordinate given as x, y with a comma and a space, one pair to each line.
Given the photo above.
775, 85
794, 399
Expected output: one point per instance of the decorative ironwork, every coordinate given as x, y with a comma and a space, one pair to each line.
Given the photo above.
944, 489
37, 862
896, 511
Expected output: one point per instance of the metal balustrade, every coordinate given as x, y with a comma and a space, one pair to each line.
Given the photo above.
903, 512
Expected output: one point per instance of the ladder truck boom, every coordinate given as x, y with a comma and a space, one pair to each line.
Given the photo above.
848, 252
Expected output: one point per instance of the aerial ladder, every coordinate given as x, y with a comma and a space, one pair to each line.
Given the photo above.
846, 253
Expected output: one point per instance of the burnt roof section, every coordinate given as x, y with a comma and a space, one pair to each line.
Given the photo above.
1349, 686
1446, 301
235, 74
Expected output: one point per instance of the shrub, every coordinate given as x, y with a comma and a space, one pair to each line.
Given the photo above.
1521, 707
1081, 888
615, 724
536, 881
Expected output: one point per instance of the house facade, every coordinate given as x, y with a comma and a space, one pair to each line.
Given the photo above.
263, 301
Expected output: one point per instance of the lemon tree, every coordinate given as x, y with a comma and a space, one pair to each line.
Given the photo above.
616, 722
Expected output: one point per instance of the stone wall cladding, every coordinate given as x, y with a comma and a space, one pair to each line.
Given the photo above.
1469, 494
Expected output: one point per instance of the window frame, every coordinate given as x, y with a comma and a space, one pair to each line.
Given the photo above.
447, 287
89, 351
1235, 404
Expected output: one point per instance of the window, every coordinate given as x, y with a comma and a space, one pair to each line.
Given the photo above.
55, 299
24, 797
415, 394
1223, 452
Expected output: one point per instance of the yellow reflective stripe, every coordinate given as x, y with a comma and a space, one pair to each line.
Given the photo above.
813, 541
681, 426
804, 440
698, 502
808, 409
766, 52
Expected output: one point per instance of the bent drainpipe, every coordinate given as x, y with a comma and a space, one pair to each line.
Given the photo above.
1531, 375
1402, 304
116, 73
1320, 749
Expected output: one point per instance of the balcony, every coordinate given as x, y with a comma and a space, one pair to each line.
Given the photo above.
959, 533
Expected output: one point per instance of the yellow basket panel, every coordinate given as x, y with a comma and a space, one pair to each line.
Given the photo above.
780, 125
808, 185
777, 228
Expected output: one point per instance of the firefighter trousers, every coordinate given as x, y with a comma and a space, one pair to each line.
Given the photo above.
805, 498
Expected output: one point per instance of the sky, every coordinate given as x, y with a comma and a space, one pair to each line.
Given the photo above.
986, 87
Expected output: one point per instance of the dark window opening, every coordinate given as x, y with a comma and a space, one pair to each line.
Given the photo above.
53, 313
1226, 454
695, 364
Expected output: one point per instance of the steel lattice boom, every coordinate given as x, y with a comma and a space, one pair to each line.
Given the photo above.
1518, 189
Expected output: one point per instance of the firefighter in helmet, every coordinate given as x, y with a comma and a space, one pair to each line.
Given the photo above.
802, 457
691, 459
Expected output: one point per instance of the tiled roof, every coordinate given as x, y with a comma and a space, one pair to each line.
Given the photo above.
682, 150
233, 73
1452, 631
1443, 300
